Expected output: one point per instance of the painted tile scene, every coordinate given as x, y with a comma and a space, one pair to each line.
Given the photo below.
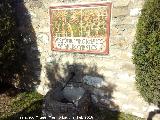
80, 29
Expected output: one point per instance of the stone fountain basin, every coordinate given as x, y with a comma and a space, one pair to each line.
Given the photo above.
73, 94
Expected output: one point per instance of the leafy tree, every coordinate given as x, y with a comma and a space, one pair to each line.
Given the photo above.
146, 52
11, 51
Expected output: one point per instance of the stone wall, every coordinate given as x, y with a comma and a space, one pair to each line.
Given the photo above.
116, 68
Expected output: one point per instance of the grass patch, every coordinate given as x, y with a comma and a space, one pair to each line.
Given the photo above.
24, 104
29, 104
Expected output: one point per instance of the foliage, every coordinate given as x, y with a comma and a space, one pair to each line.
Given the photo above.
146, 52
11, 50
23, 100
24, 104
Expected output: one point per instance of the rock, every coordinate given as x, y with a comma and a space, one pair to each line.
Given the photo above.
55, 105
156, 117
94, 99
152, 108
98, 92
73, 94
135, 12
105, 101
94, 81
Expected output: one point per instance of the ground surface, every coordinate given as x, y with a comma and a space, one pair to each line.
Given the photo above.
15, 104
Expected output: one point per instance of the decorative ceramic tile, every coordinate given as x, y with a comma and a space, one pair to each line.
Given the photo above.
81, 28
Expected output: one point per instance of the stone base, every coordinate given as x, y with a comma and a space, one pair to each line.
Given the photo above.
56, 105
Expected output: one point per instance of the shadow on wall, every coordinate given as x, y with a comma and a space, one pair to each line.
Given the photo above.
60, 75
29, 75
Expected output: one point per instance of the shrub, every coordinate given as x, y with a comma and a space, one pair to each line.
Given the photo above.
10, 42
146, 52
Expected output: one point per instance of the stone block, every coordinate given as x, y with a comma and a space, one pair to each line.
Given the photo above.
129, 20
117, 12
94, 81
124, 77
128, 67
55, 104
121, 3
73, 94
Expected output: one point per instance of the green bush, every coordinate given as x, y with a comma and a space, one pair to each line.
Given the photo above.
10, 42
146, 52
